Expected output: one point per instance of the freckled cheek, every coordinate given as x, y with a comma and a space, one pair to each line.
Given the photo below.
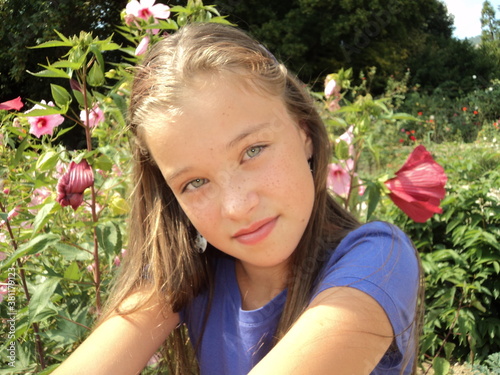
293, 184
201, 207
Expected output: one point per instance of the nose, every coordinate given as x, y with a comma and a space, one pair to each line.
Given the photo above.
238, 198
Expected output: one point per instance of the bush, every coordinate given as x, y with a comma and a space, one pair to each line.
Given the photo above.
460, 119
461, 256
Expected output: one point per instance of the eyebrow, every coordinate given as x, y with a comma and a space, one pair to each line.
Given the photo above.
239, 138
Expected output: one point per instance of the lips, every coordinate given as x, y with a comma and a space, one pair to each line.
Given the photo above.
256, 232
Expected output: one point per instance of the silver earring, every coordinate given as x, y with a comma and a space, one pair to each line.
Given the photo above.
200, 243
309, 161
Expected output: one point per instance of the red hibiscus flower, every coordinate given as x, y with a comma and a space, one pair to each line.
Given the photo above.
418, 187
73, 183
16, 104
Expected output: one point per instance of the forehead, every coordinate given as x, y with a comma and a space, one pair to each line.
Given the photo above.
214, 113
212, 103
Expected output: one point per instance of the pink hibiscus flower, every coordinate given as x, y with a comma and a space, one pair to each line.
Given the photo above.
143, 46
338, 180
40, 125
146, 9
96, 116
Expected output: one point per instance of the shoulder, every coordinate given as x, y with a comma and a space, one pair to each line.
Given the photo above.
380, 260
372, 244
376, 231
378, 252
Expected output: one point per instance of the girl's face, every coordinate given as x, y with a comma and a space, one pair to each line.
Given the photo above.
237, 163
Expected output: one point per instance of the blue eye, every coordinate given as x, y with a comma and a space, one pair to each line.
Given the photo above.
254, 151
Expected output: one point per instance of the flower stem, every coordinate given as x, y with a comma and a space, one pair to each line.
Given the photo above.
24, 284
352, 173
97, 272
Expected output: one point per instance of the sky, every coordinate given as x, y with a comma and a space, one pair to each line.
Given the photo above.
467, 16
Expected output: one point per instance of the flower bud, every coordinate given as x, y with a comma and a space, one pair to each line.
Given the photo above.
73, 183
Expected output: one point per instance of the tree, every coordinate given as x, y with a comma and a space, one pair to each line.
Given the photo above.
490, 36
490, 26
317, 37
450, 65
27, 23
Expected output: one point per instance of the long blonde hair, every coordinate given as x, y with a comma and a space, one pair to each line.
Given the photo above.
160, 252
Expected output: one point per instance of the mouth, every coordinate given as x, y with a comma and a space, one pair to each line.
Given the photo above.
256, 232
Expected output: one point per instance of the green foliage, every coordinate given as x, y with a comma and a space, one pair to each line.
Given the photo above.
491, 365
369, 123
30, 22
57, 262
318, 36
465, 118
490, 25
62, 260
461, 257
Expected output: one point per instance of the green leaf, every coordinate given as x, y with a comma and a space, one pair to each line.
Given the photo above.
428, 341
19, 152
373, 199
51, 72
44, 112
108, 45
221, 20
98, 55
349, 108
72, 272
168, 25
68, 331
40, 299
477, 304
47, 161
338, 122
496, 266
403, 116
72, 253
441, 366
68, 64
62, 37
119, 206
48, 370
79, 98
42, 216
60, 95
178, 9
448, 349
109, 237
63, 131
103, 162
52, 43
36, 245
342, 150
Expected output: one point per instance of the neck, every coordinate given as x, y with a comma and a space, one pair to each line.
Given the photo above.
259, 285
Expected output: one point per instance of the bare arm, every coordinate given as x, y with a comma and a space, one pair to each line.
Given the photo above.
121, 344
344, 331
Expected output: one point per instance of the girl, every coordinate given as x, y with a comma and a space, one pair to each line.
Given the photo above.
235, 236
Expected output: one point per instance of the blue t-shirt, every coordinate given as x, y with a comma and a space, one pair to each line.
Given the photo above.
376, 258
